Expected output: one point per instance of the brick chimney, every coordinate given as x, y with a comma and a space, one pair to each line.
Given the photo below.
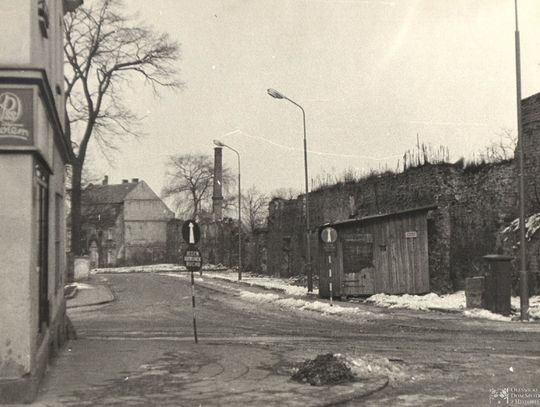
135, 180
125, 181
217, 197
105, 180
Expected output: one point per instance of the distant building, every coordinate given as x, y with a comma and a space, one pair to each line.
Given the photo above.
33, 154
124, 224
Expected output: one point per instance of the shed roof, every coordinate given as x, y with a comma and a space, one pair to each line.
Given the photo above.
380, 216
107, 194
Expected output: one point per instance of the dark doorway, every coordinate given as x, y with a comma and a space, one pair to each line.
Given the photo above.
41, 205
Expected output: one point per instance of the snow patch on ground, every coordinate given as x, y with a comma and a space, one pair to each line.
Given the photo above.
267, 282
368, 366
449, 302
534, 307
81, 286
455, 301
152, 268
302, 305
485, 314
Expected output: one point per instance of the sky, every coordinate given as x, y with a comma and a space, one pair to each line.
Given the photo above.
372, 76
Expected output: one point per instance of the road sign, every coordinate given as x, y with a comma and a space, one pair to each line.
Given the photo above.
329, 235
192, 258
329, 247
191, 232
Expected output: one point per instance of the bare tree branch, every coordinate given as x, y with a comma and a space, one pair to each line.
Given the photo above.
105, 51
190, 179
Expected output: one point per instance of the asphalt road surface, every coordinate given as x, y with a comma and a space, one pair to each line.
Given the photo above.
139, 351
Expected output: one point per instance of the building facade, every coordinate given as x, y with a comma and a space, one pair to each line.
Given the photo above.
124, 224
33, 154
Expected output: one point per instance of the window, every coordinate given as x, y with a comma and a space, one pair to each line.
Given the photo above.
43, 17
357, 249
41, 207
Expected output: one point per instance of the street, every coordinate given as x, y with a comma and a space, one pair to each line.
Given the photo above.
139, 351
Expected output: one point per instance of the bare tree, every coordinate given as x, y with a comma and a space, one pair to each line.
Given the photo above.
501, 150
255, 208
190, 179
104, 50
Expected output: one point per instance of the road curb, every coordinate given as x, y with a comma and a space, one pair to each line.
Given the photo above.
106, 296
355, 394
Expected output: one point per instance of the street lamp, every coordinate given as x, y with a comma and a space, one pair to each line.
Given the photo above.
275, 94
523, 275
220, 144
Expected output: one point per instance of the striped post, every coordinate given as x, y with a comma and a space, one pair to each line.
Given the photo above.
330, 279
193, 306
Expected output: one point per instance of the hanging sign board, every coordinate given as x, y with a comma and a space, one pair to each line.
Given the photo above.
16, 116
192, 258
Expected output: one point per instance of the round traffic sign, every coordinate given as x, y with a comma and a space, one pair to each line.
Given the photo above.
329, 235
191, 232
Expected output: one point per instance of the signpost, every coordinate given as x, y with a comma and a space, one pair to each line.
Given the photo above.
329, 236
192, 260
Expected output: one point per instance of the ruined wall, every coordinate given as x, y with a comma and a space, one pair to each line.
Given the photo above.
486, 200
219, 242
285, 238
257, 251
470, 207
531, 147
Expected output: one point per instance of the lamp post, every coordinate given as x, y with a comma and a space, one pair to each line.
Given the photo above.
523, 276
275, 94
220, 144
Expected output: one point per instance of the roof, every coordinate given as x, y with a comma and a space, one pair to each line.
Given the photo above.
380, 216
107, 194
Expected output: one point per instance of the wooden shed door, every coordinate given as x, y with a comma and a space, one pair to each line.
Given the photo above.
358, 270
402, 259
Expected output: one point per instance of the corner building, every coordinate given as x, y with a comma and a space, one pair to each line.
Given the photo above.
33, 155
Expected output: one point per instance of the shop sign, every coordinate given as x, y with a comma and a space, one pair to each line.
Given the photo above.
16, 116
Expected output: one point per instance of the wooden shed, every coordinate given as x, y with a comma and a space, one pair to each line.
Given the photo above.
376, 254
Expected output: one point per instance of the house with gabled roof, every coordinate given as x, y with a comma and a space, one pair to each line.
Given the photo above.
124, 224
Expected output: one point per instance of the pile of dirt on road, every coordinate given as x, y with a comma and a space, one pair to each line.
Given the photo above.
324, 370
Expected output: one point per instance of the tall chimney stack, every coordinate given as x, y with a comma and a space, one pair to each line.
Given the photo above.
217, 198
105, 180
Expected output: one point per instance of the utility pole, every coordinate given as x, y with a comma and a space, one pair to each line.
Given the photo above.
523, 275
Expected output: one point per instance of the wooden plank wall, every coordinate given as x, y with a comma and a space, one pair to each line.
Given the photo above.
400, 255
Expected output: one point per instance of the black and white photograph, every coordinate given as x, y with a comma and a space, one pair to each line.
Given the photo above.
304, 203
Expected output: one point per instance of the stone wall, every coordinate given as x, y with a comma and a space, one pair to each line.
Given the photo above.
285, 238
486, 200
219, 242
531, 148
471, 204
